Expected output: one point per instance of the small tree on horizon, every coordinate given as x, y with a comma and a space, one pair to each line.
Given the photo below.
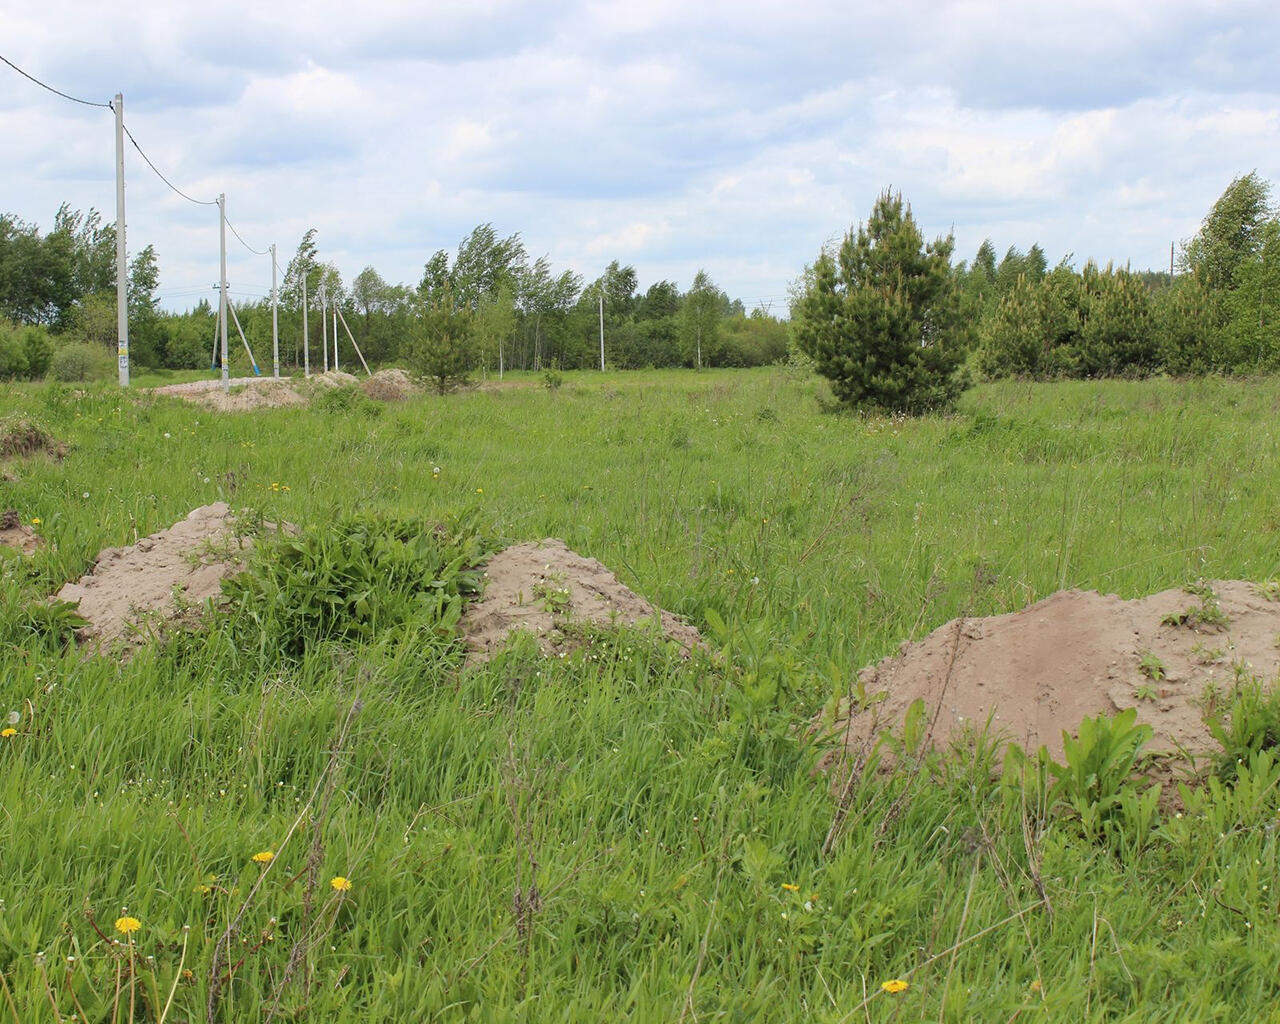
442, 351
881, 318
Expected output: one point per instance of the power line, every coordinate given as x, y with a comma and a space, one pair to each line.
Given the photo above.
198, 202
56, 92
256, 252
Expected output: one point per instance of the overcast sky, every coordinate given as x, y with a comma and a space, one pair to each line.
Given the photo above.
668, 134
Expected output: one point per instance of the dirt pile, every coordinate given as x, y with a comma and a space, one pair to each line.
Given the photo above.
392, 385
331, 379
1076, 654
21, 438
269, 392
542, 586
246, 393
159, 578
16, 534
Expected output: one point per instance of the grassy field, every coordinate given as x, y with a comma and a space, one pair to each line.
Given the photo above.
621, 833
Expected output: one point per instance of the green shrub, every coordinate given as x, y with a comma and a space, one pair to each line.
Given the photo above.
1245, 723
13, 357
38, 348
351, 579
345, 399
80, 361
881, 317
1014, 335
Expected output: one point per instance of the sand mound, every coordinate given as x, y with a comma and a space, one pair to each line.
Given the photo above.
391, 385
246, 393
257, 392
21, 438
331, 379
160, 577
543, 585
1073, 655
16, 534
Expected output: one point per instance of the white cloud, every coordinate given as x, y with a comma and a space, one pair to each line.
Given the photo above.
734, 137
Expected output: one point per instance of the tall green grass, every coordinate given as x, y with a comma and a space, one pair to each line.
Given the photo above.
622, 832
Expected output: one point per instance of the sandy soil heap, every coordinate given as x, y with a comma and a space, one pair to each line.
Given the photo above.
129, 586
16, 534
541, 585
21, 438
392, 385
258, 392
1073, 655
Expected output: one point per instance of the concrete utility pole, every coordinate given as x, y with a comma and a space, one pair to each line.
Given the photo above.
324, 326
306, 340
275, 319
602, 332
222, 287
122, 259
335, 337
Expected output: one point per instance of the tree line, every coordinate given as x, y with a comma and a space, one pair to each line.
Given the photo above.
896, 324
485, 308
893, 322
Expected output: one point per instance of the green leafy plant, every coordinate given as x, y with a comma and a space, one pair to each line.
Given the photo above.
1099, 763
54, 620
345, 399
355, 577
1245, 723
554, 594
1151, 666
1207, 613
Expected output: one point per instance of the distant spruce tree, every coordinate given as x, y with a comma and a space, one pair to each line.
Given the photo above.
881, 316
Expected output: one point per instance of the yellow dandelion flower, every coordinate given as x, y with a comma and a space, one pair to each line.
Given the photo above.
479, 490
265, 857
127, 925
790, 888
340, 884
894, 985
35, 521
7, 732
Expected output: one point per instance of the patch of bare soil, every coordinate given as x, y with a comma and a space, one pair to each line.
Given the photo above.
246, 393
256, 392
542, 586
16, 534
20, 438
391, 385
331, 379
1076, 654
156, 580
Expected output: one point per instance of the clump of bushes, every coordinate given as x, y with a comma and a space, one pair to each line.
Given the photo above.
24, 352
80, 362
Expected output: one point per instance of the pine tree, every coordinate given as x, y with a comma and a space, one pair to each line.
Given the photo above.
881, 318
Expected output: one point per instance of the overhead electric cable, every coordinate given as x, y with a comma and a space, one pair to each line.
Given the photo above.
198, 202
256, 252
57, 92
